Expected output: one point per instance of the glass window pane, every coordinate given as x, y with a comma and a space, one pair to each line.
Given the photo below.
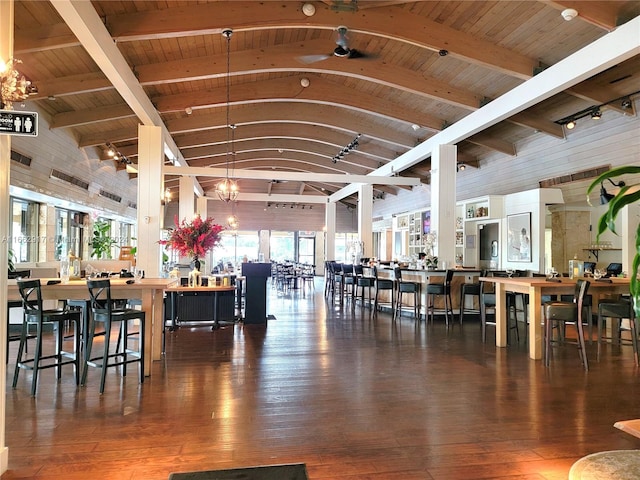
23, 230
281, 246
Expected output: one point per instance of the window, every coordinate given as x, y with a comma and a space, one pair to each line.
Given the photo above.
307, 247
23, 230
69, 233
234, 247
282, 246
343, 244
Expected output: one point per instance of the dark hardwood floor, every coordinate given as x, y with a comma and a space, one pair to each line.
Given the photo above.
351, 395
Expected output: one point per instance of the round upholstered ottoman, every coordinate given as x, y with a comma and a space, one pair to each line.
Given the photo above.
612, 465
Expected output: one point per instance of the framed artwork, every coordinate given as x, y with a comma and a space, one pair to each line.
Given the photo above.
471, 241
519, 237
403, 221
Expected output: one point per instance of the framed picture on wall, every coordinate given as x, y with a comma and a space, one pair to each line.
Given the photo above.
519, 237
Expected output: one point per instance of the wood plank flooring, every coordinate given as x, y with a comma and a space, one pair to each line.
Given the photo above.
354, 396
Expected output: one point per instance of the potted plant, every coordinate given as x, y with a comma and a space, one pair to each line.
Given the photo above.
102, 241
627, 195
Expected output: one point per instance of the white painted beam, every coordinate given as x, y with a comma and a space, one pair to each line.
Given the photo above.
278, 198
293, 176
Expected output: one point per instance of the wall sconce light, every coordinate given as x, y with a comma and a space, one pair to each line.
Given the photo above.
606, 197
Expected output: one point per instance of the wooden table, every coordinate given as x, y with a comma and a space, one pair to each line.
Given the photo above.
536, 287
149, 290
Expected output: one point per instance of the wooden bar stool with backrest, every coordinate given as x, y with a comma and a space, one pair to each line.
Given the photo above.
35, 314
440, 289
104, 311
383, 284
557, 314
618, 310
406, 287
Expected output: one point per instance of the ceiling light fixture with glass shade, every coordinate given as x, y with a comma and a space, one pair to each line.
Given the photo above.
227, 189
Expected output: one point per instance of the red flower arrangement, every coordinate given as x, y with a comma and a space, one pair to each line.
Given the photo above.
194, 239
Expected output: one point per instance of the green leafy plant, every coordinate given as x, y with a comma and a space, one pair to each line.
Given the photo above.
627, 195
101, 241
11, 259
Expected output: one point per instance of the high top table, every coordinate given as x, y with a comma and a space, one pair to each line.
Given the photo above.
536, 287
149, 290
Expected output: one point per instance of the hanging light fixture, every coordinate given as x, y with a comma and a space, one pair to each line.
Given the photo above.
227, 189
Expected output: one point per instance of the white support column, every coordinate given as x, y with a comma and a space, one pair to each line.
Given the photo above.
186, 209
330, 225
150, 189
6, 51
365, 215
443, 202
201, 207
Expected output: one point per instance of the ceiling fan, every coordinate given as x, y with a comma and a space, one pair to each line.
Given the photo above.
342, 49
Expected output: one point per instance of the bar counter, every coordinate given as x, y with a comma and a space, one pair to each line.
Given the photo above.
424, 277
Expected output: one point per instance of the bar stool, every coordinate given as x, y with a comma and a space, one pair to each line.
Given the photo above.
104, 312
362, 282
618, 310
488, 306
348, 282
15, 274
383, 284
440, 289
35, 314
558, 314
472, 289
404, 287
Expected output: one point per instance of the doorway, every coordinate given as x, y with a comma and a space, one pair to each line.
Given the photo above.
489, 245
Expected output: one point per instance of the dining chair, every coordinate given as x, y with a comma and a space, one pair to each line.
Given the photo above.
105, 312
557, 314
35, 314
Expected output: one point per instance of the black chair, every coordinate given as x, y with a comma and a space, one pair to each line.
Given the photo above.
473, 290
383, 284
348, 282
15, 274
105, 312
488, 307
557, 314
440, 289
35, 314
618, 310
362, 282
406, 287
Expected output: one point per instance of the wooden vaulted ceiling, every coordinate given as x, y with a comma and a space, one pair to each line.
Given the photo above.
425, 65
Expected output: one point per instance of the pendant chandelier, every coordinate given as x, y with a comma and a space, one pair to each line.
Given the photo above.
227, 189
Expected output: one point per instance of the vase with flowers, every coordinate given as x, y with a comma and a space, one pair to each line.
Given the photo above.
194, 239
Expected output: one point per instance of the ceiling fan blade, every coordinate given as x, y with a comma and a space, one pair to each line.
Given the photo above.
307, 59
353, 53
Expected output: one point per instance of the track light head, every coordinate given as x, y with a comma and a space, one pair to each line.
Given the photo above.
596, 114
571, 124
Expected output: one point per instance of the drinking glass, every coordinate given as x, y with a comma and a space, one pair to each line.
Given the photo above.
139, 275
64, 271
